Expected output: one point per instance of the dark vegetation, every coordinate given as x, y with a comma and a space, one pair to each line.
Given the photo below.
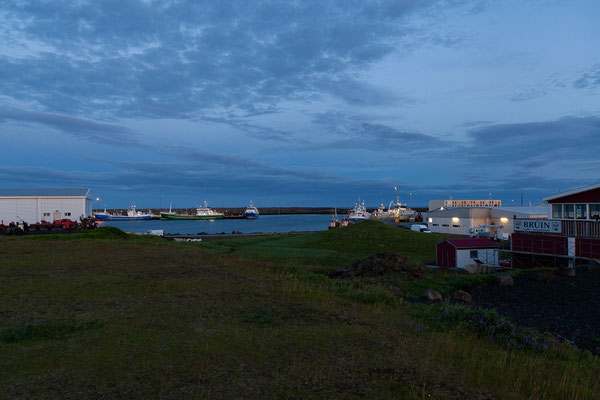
133, 317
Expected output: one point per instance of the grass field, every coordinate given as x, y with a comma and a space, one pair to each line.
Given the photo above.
115, 316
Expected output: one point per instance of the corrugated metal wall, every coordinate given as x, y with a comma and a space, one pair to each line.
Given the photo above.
32, 210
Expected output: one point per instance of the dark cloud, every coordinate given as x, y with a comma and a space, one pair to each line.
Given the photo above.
81, 128
358, 134
529, 94
138, 58
588, 80
567, 142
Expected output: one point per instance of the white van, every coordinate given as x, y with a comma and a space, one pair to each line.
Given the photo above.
420, 228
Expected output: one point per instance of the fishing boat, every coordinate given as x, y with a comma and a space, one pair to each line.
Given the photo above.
359, 212
396, 210
132, 215
201, 213
251, 212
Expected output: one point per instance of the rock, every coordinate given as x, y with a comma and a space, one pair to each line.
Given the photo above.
566, 272
431, 295
504, 280
539, 276
461, 295
394, 291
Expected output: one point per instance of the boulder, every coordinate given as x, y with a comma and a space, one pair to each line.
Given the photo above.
394, 291
431, 295
570, 272
504, 280
461, 295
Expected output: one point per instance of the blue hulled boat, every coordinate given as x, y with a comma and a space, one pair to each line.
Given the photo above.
251, 212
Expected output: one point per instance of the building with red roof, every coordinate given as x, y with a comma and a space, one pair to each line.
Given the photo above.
460, 252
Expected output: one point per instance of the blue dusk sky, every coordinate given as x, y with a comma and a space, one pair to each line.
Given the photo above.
312, 103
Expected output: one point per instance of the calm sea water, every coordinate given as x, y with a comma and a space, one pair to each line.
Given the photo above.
265, 223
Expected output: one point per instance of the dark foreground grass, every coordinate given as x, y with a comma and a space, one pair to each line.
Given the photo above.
180, 323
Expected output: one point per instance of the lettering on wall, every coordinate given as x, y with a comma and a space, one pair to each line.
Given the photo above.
537, 225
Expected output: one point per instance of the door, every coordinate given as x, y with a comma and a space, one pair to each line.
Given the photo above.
56, 215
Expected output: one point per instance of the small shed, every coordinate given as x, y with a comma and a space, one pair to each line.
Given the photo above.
458, 253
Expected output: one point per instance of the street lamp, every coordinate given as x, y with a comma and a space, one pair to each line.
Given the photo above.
97, 200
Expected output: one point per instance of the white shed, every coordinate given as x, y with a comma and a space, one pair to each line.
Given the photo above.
35, 205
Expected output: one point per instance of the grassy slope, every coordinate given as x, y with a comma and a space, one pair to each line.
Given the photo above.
167, 320
334, 249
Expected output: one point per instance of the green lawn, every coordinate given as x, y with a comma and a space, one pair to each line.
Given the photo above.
131, 317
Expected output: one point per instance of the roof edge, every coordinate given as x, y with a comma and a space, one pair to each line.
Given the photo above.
572, 192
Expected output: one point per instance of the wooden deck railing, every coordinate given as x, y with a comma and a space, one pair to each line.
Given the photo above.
581, 228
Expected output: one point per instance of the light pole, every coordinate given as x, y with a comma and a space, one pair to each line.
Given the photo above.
97, 200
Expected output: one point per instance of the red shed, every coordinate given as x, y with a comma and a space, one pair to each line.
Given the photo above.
458, 253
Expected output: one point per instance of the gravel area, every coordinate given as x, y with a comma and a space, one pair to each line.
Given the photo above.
567, 307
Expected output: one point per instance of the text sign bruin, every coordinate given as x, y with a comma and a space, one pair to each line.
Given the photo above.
537, 225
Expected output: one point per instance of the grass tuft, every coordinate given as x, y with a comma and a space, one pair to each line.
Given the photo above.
105, 232
45, 330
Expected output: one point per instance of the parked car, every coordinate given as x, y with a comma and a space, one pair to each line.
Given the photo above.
420, 228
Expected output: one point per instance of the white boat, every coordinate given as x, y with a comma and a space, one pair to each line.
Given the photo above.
359, 212
251, 212
396, 211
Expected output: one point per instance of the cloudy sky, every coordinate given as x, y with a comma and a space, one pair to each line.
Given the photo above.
300, 102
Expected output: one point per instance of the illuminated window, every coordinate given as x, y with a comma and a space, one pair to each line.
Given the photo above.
569, 211
557, 211
594, 211
580, 211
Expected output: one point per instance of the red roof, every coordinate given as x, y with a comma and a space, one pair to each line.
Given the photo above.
473, 243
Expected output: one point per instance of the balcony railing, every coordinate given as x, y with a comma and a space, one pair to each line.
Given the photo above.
581, 228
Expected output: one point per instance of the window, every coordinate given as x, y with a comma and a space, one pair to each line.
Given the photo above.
46, 214
446, 225
456, 226
595, 211
473, 254
580, 211
569, 211
436, 224
557, 211
67, 214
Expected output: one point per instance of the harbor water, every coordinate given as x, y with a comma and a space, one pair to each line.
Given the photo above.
265, 224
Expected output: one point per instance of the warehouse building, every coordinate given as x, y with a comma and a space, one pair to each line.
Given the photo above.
463, 220
572, 233
35, 205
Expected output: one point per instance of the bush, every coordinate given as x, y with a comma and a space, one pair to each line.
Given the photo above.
487, 323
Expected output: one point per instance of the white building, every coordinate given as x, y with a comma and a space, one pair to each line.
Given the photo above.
35, 205
461, 220
437, 204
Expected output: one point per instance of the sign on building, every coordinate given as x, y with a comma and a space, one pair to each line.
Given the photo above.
537, 225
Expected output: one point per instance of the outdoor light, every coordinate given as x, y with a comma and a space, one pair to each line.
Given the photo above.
430, 220
504, 219
454, 219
